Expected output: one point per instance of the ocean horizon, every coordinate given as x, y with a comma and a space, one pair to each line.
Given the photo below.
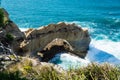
101, 18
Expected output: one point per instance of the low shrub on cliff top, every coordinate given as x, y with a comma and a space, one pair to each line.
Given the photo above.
96, 72
27, 71
1, 18
9, 37
11, 76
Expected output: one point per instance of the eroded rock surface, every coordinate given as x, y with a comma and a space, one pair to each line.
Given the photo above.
47, 41
56, 46
70, 37
10, 39
10, 33
37, 39
7, 56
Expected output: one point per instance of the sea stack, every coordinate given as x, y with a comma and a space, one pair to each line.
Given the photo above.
37, 39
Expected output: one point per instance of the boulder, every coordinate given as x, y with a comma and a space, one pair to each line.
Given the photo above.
37, 39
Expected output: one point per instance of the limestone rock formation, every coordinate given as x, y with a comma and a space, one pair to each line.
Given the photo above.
71, 38
47, 41
59, 42
37, 39
54, 47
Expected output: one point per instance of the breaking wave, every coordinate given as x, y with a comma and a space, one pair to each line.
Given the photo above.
101, 51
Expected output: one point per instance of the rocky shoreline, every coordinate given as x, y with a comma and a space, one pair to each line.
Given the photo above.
45, 42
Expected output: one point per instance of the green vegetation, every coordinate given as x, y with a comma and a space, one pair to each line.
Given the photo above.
9, 37
1, 18
10, 76
96, 72
26, 70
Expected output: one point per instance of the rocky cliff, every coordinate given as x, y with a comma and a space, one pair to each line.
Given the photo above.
47, 40
37, 39
10, 34
10, 39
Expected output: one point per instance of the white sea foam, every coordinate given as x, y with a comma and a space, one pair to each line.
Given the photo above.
67, 61
24, 29
101, 51
104, 51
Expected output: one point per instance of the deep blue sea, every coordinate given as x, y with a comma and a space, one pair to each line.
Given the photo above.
101, 17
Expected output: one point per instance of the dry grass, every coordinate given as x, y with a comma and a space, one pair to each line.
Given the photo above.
30, 69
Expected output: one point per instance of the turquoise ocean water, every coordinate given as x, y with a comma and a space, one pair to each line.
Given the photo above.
101, 17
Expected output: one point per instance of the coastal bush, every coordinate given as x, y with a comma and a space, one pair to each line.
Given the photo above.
1, 18
96, 72
26, 70
10, 76
9, 37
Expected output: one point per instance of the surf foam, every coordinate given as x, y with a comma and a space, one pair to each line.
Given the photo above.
101, 51
68, 61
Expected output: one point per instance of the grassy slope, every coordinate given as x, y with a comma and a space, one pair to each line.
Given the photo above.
26, 71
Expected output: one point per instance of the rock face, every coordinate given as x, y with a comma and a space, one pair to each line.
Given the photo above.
54, 47
11, 27
48, 40
10, 38
59, 42
37, 39
10, 30
6, 56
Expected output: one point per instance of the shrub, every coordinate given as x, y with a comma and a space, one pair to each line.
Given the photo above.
1, 18
96, 72
10, 76
9, 37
